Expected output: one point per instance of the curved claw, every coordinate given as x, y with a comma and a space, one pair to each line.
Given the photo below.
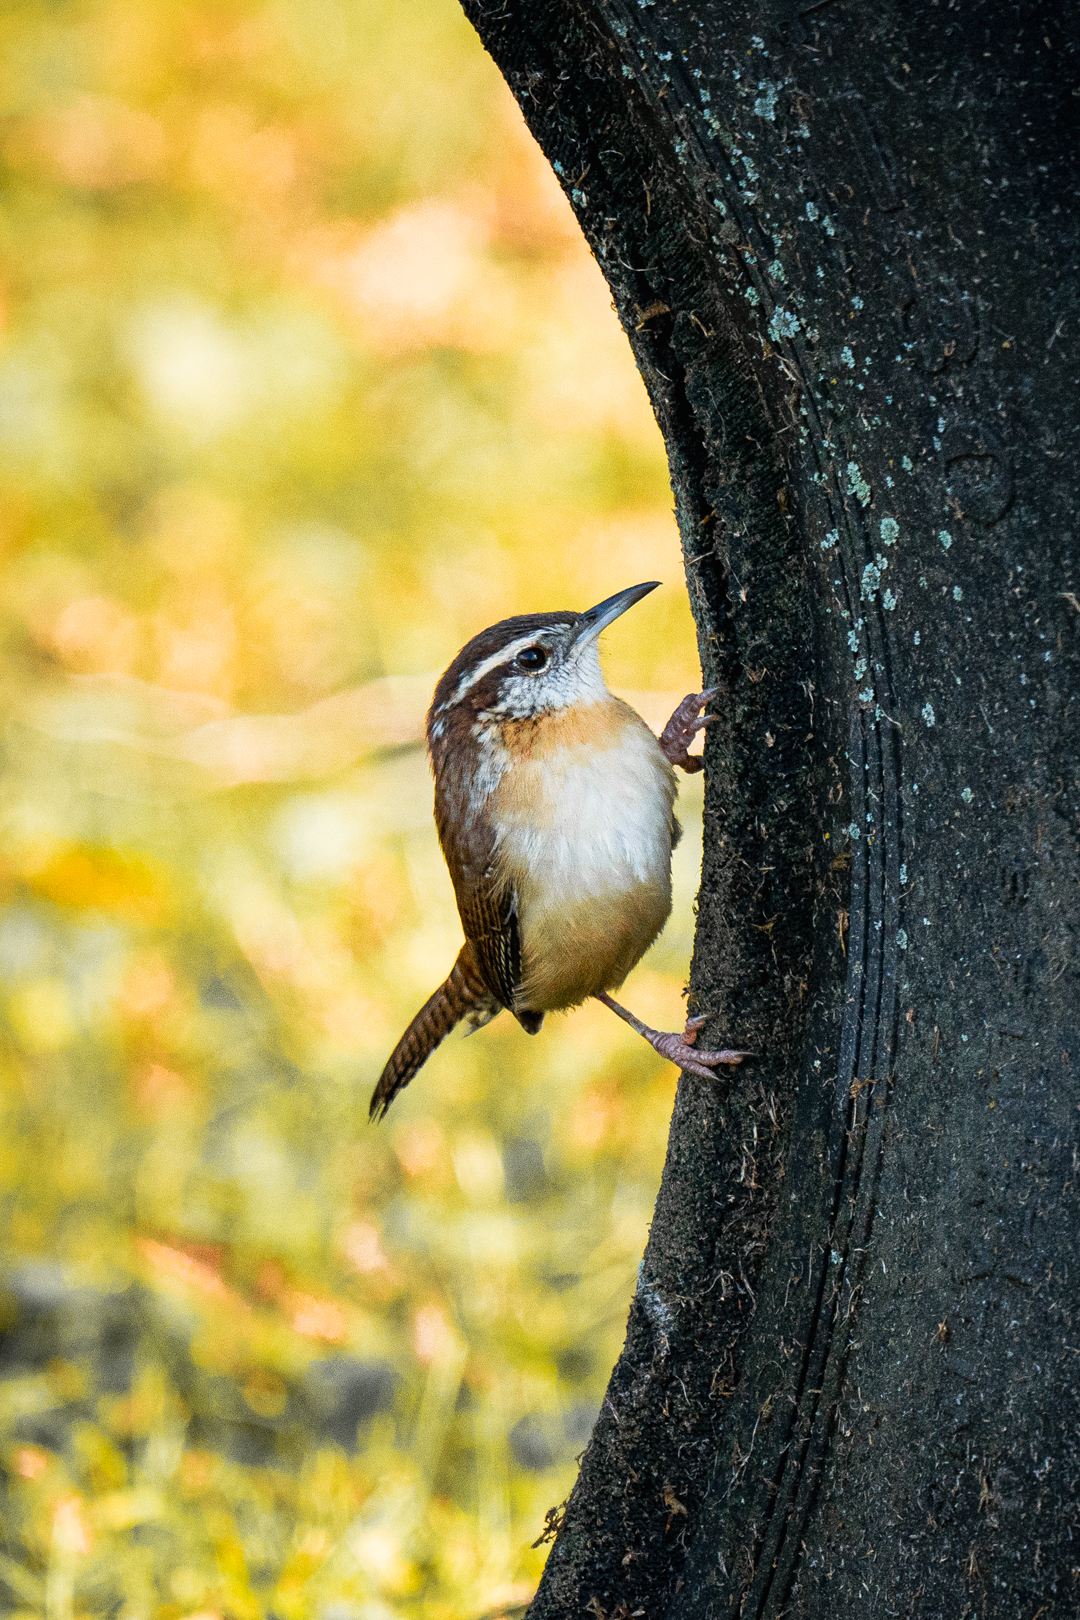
684, 726
680, 1050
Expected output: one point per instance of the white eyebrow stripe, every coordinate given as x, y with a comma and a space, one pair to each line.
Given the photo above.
503, 656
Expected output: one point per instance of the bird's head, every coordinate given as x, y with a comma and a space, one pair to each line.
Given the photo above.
522, 668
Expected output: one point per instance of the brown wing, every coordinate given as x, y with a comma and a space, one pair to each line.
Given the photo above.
485, 901
489, 917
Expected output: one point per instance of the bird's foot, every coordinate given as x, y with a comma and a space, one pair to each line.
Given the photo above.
683, 727
681, 1050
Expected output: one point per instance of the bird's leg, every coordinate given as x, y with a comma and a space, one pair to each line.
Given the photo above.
678, 1049
683, 727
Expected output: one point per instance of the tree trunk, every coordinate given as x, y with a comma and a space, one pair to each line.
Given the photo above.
843, 244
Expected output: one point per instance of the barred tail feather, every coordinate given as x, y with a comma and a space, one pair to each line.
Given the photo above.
462, 995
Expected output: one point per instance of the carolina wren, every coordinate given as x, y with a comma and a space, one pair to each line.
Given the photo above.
555, 809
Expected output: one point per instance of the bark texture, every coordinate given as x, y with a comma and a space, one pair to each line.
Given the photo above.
843, 242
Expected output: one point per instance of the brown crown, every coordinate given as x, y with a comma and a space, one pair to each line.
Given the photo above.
489, 641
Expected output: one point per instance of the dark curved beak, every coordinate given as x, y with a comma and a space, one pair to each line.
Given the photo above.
605, 613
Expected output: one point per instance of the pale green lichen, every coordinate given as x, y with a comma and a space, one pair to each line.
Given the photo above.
765, 105
928, 714
783, 325
946, 539
871, 576
857, 484
890, 530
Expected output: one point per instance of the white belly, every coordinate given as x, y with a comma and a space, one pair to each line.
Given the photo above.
584, 835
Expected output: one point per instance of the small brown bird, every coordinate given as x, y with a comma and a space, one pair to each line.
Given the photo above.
555, 809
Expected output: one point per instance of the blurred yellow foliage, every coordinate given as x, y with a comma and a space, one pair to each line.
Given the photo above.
306, 375
100, 880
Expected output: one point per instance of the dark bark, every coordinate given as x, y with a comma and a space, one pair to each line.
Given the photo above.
843, 242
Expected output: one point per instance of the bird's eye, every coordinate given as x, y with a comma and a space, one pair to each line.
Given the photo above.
533, 659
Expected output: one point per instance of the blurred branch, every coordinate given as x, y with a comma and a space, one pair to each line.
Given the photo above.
118, 726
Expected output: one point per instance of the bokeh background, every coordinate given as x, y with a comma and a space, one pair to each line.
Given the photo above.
306, 375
